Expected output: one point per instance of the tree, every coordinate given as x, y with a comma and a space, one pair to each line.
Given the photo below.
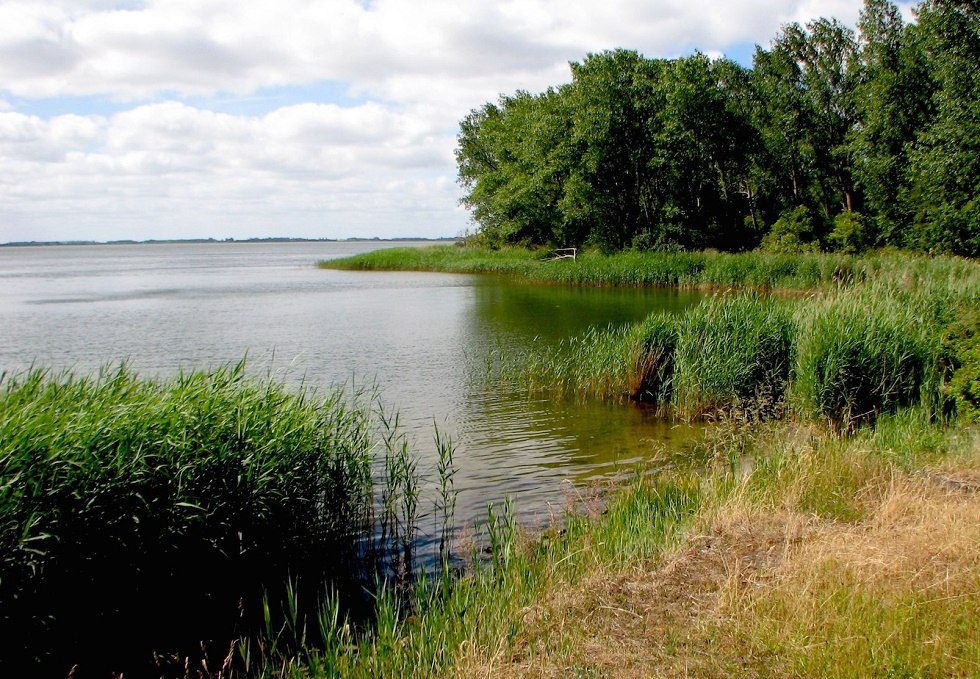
944, 172
892, 100
513, 162
703, 142
614, 99
826, 53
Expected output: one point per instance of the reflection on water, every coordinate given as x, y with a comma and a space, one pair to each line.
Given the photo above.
423, 338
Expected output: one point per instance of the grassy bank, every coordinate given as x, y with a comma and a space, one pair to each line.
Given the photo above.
665, 269
801, 554
838, 541
824, 557
155, 512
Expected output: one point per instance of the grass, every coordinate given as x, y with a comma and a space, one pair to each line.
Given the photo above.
843, 356
450, 619
829, 557
156, 512
664, 269
825, 556
828, 544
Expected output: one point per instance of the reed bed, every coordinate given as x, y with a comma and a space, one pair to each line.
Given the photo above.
827, 554
450, 622
672, 269
857, 356
733, 351
751, 566
843, 356
141, 510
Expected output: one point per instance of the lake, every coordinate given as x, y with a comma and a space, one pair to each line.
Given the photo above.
424, 339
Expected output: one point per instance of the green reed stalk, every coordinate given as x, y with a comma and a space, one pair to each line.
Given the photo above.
196, 490
733, 352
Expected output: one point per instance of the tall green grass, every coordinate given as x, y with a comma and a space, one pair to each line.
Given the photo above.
733, 352
859, 355
844, 356
665, 269
447, 619
145, 511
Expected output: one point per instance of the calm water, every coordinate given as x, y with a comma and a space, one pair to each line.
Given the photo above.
423, 338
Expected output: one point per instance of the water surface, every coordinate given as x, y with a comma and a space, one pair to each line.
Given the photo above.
425, 339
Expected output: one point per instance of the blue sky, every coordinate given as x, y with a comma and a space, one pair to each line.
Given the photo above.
303, 118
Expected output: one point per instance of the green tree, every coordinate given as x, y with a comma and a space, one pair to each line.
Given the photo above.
703, 143
611, 194
892, 100
513, 161
826, 52
944, 171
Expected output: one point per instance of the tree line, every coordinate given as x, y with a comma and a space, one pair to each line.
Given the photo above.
835, 138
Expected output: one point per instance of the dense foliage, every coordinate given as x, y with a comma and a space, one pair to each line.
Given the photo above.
835, 138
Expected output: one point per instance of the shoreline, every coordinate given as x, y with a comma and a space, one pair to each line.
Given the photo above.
803, 547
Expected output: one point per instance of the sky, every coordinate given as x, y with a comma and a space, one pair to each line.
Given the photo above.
164, 119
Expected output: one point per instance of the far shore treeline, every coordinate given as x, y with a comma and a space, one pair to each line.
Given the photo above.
834, 139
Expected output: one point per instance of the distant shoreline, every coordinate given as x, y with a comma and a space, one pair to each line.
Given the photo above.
271, 239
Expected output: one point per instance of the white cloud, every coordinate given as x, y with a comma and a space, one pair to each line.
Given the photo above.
182, 163
206, 46
378, 165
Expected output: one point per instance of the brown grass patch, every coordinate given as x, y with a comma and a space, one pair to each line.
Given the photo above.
778, 593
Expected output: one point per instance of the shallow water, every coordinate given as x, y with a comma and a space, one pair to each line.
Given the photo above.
425, 339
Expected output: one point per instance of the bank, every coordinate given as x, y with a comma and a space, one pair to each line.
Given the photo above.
802, 543
803, 546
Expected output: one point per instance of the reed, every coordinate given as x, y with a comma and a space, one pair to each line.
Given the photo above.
673, 269
860, 355
445, 629
599, 363
149, 510
653, 349
733, 352
728, 353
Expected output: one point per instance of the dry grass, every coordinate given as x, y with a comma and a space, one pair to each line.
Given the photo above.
773, 589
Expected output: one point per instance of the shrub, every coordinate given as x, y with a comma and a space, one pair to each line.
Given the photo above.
850, 234
793, 233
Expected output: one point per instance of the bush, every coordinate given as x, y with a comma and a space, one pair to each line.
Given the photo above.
793, 233
850, 234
